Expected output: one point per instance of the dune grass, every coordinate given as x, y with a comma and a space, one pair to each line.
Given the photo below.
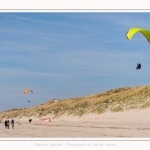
113, 100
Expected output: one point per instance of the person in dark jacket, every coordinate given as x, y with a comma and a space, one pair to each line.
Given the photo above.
6, 124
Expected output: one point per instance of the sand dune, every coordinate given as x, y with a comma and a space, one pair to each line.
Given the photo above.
127, 124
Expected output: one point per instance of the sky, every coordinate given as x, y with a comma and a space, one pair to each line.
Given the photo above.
62, 55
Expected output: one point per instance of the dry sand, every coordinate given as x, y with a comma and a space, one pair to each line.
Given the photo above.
127, 124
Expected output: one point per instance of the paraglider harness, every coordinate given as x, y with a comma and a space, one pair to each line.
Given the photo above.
138, 66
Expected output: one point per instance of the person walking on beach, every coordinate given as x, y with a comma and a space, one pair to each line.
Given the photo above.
5, 124
0, 121
8, 123
12, 123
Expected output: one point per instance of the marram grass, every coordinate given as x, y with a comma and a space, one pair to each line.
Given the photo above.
114, 100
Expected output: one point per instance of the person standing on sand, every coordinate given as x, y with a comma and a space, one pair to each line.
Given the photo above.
0, 121
8, 123
5, 124
12, 123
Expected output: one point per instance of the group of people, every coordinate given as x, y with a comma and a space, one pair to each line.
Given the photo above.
7, 123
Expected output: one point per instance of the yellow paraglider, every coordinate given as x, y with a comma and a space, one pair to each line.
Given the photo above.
27, 90
133, 31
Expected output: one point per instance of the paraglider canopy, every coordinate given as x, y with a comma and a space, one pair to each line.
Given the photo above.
27, 90
143, 31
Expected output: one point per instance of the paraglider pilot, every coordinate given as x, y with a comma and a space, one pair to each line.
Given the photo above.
138, 66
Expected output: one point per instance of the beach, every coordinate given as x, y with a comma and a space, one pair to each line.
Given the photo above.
127, 124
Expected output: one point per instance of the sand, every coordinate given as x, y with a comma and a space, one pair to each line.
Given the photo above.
126, 124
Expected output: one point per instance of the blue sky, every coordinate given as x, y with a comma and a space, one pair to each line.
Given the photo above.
64, 55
